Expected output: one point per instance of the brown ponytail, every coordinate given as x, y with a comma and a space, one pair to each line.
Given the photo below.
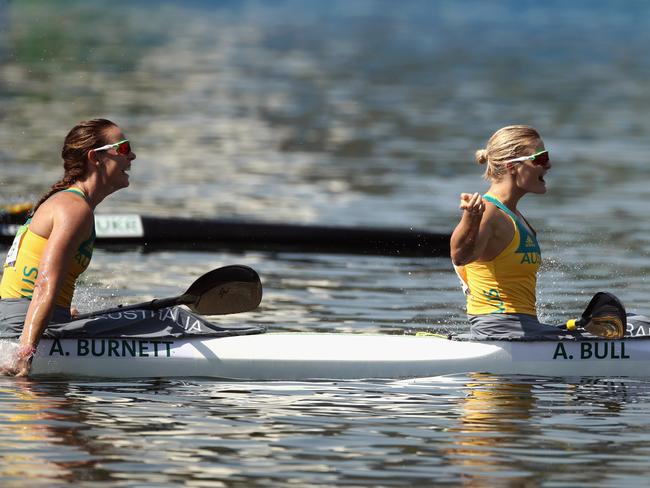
82, 138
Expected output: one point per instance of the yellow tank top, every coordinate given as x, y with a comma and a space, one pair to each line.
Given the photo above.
507, 284
23, 259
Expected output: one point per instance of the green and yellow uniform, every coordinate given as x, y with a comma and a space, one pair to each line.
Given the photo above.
506, 284
22, 265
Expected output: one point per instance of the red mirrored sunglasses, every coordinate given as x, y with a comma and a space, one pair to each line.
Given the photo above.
122, 147
538, 159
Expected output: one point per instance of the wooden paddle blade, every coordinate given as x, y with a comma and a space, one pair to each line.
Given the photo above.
231, 289
604, 316
607, 326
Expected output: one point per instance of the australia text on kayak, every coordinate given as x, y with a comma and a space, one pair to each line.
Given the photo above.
189, 323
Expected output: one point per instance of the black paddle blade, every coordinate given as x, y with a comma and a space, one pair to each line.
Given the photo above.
605, 316
230, 289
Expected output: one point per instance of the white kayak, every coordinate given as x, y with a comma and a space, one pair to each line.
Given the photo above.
306, 356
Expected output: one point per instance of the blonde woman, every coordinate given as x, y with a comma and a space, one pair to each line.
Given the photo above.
493, 247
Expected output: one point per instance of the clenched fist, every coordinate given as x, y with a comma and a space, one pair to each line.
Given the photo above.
472, 203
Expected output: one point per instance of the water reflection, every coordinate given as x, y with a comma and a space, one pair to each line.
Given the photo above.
508, 425
495, 416
477, 430
40, 439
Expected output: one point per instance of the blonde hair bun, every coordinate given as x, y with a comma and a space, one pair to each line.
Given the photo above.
482, 156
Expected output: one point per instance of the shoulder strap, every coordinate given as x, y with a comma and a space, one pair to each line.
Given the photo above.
511, 214
528, 239
88, 243
500, 205
76, 191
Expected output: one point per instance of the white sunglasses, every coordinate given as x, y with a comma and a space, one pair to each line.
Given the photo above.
539, 159
123, 147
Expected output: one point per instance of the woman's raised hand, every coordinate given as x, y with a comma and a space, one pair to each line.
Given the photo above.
473, 204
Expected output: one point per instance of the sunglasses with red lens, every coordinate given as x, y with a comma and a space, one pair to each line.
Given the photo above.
123, 147
538, 159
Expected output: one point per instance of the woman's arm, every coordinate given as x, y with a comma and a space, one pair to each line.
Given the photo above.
471, 235
70, 227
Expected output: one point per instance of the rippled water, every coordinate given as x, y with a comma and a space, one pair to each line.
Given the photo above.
345, 113
480, 431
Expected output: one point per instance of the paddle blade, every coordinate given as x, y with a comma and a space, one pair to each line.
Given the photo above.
609, 327
604, 316
230, 289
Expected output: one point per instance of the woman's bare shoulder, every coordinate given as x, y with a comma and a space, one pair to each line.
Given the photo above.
62, 209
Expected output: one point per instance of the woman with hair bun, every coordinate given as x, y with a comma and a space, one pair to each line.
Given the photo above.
493, 248
55, 245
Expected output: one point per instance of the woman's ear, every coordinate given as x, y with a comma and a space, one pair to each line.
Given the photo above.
93, 157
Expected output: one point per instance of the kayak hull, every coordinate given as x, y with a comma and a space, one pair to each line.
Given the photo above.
307, 356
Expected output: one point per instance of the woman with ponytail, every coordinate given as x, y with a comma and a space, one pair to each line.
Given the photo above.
55, 245
493, 248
